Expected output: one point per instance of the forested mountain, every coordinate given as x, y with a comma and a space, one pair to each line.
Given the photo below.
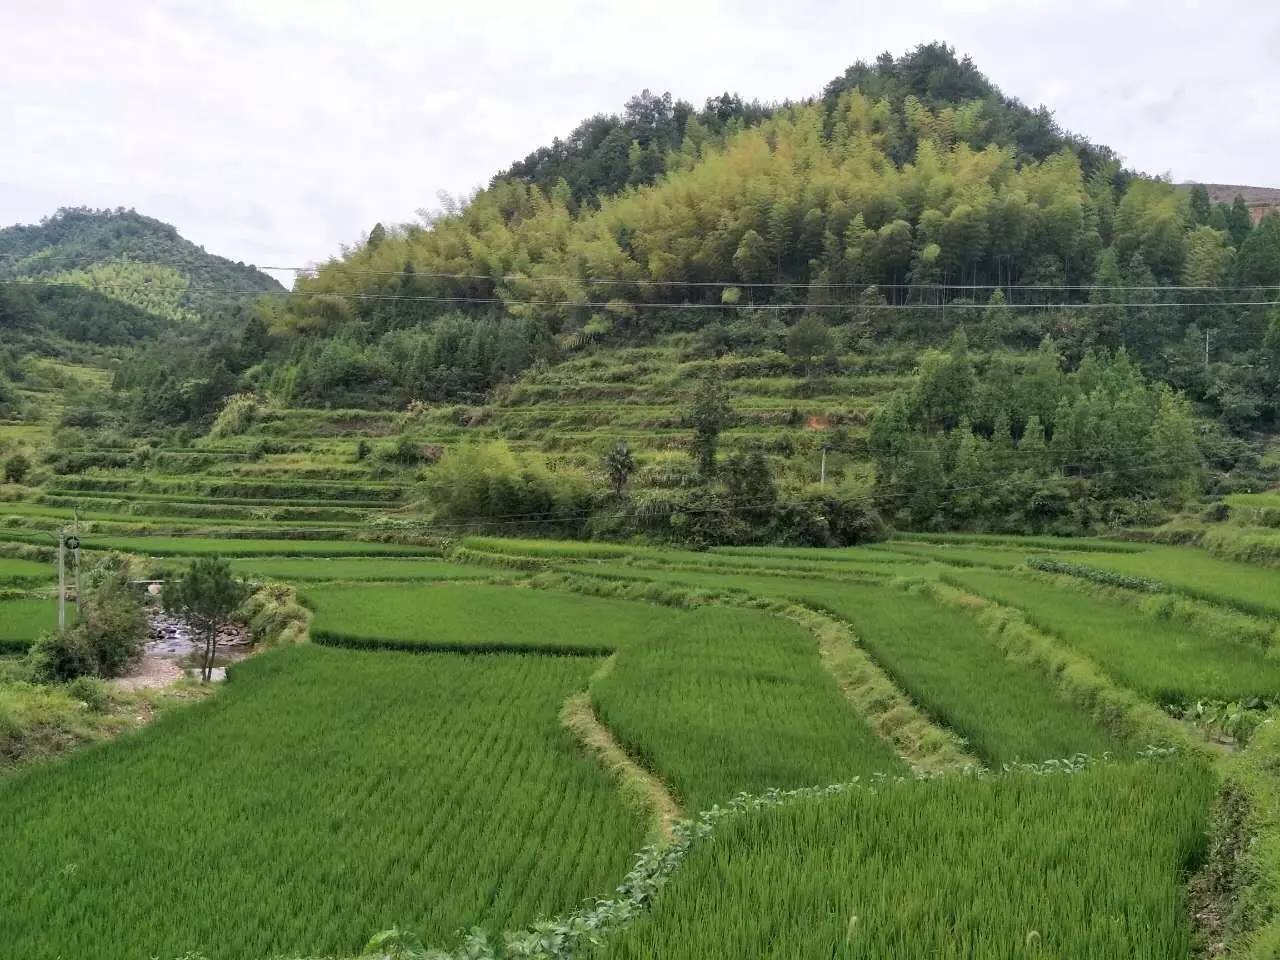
113, 278
129, 257
1049, 307
910, 193
607, 153
99, 284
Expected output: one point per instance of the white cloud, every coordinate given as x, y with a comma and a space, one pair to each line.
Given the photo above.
274, 130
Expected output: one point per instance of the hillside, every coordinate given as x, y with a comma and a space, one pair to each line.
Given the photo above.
846, 528
128, 257
912, 278
1258, 200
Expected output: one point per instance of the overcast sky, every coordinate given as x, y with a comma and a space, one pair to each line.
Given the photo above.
272, 131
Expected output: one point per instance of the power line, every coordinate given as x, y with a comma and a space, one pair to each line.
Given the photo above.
659, 305
310, 271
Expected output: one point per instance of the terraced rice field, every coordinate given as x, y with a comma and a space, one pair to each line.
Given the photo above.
24, 620
723, 701
1254, 589
488, 742
24, 572
471, 617
317, 799
231, 547
1174, 663
1080, 866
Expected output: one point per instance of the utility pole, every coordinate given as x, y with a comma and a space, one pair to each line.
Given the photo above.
75, 558
62, 580
822, 474
1207, 335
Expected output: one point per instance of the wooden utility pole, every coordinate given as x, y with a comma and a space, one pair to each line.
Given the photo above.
75, 559
62, 580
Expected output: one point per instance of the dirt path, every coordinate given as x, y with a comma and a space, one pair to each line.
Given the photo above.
152, 673
639, 785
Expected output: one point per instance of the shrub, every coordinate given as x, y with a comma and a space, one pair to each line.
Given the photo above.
62, 656
92, 692
488, 480
16, 468
404, 452
106, 641
238, 414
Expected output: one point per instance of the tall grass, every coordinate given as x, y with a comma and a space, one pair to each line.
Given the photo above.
1164, 660
723, 701
323, 795
1085, 866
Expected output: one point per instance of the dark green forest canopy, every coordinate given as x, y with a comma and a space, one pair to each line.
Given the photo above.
609, 152
1019, 444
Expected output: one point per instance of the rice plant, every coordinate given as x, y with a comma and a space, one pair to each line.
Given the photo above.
723, 700
232, 546
382, 569
1254, 589
323, 795
1164, 660
466, 617
18, 572
951, 668
23, 620
1080, 866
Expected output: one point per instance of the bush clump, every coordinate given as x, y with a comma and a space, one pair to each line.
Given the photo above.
105, 643
486, 481
1109, 578
239, 412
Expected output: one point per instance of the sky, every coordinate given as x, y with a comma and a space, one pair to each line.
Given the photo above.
274, 131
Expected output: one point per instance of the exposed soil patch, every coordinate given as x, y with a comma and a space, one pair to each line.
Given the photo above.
173, 652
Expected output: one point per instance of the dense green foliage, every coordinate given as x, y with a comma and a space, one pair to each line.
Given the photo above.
381, 754
1084, 866
1028, 447
724, 701
106, 639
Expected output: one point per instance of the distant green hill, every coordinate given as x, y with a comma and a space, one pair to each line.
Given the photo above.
130, 257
